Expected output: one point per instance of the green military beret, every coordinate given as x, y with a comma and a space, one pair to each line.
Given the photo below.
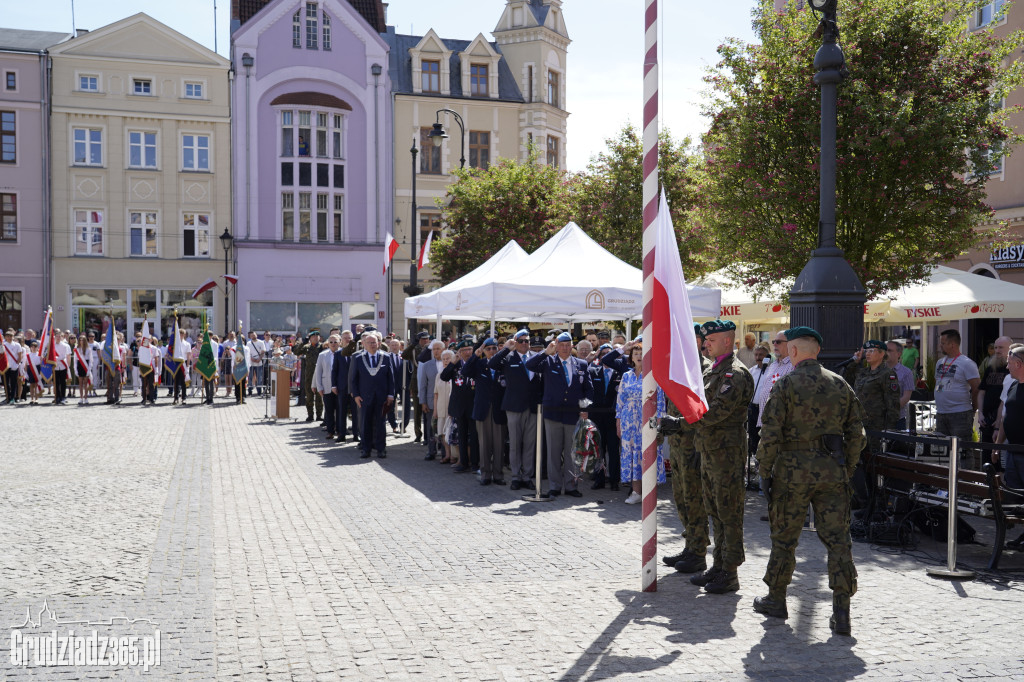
698, 330
716, 326
801, 332
874, 343
465, 343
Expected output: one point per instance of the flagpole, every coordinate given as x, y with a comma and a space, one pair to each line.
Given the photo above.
649, 490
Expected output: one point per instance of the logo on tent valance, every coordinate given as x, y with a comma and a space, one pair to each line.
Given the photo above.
595, 300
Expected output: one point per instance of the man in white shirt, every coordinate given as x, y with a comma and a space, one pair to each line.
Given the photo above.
746, 353
256, 349
12, 363
780, 367
957, 382
60, 370
182, 352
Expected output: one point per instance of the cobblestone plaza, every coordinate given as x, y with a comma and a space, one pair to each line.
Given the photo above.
261, 551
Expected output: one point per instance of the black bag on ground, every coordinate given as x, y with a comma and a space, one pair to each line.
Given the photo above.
933, 521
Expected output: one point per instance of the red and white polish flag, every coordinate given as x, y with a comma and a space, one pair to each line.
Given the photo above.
676, 362
231, 279
390, 247
425, 251
205, 286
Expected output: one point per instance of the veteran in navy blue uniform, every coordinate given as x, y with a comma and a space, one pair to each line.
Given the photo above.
602, 413
523, 392
568, 392
460, 407
373, 388
487, 412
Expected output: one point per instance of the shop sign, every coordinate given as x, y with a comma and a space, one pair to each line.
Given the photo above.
1007, 257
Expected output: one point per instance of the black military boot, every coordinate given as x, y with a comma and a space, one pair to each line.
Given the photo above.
725, 581
771, 606
691, 563
702, 579
672, 559
840, 620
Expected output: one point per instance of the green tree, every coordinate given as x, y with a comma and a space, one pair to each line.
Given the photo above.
485, 208
608, 198
917, 136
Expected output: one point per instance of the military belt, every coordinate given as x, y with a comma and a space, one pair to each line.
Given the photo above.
802, 445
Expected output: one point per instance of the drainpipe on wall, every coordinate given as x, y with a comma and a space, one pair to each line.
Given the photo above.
376, 71
44, 113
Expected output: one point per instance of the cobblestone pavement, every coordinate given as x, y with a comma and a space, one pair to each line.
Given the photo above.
261, 551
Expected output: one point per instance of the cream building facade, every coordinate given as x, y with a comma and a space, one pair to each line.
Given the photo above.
510, 93
141, 168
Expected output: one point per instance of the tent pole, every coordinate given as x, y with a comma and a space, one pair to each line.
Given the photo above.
438, 334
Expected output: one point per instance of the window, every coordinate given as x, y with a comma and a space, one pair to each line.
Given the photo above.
88, 146
195, 152
479, 149
304, 216
142, 86
478, 80
339, 176
141, 149
336, 137
89, 83
431, 78
287, 146
430, 156
304, 119
8, 217
8, 137
339, 212
10, 80
142, 232
327, 32
287, 174
529, 83
297, 29
305, 174
323, 175
321, 135
552, 151
197, 235
193, 90
553, 88
321, 216
288, 216
311, 27
429, 222
88, 233
986, 13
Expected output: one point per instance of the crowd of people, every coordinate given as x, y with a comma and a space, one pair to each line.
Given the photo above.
474, 405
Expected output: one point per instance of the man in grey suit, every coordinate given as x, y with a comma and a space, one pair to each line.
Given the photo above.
426, 377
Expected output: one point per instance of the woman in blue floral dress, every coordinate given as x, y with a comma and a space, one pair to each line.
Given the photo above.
629, 424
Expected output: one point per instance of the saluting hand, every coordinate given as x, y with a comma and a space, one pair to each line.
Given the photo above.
510, 344
550, 350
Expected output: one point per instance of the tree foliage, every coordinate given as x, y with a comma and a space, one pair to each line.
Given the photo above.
917, 136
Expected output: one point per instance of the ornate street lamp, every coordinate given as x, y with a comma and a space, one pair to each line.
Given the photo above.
438, 135
226, 241
412, 288
827, 295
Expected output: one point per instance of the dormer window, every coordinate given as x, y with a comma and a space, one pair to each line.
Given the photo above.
312, 27
431, 75
478, 85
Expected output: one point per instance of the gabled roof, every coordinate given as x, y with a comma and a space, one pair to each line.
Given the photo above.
29, 41
400, 67
540, 10
140, 36
370, 10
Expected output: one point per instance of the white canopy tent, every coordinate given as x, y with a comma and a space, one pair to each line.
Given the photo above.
571, 278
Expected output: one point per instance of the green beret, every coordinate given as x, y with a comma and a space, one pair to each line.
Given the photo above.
716, 326
465, 343
698, 330
801, 332
874, 343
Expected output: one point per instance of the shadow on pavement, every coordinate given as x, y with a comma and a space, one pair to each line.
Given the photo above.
782, 653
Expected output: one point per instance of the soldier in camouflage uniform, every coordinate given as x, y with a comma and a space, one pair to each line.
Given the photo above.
308, 352
688, 489
811, 439
721, 439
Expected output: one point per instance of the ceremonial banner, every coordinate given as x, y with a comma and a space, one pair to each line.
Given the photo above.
110, 351
207, 362
172, 360
425, 253
241, 364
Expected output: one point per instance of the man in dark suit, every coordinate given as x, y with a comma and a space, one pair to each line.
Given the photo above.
523, 391
340, 387
398, 370
373, 388
415, 352
487, 412
568, 392
460, 407
602, 413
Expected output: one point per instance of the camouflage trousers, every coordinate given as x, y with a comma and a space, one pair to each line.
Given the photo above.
688, 492
723, 458
313, 400
830, 498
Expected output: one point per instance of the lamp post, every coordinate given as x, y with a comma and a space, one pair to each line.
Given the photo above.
438, 134
827, 294
226, 241
412, 288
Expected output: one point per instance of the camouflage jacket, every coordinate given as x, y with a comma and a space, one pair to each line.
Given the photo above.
806, 404
308, 352
728, 388
683, 439
879, 393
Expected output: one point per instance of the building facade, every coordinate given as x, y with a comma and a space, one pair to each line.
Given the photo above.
510, 94
140, 162
24, 176
312, 152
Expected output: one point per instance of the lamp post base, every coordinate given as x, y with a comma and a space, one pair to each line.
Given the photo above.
828, 297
